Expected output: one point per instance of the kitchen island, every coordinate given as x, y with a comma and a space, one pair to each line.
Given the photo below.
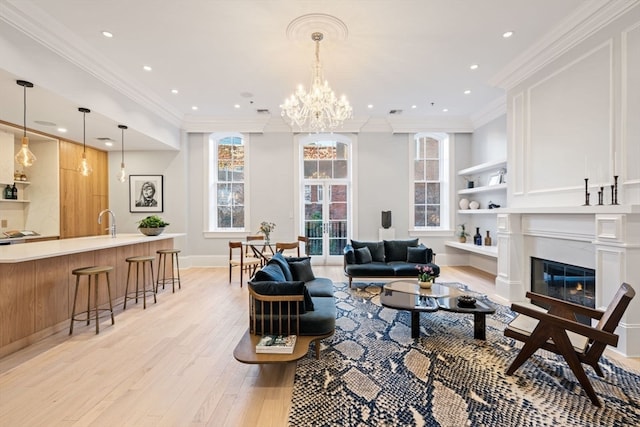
36, 284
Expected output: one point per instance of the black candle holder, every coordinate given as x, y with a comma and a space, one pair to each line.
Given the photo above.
586, 192
615, 190
600, 196
613, 197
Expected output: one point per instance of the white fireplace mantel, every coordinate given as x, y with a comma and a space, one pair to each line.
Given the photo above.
605, 238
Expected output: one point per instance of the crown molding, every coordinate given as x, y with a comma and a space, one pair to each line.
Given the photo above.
199, 124
457, 124
489, 113
586, 21
33, 22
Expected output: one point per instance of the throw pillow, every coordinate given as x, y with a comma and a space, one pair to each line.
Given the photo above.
417, 255
270, 272
279, 259
301, 270
363, 255
376, 249
396, 250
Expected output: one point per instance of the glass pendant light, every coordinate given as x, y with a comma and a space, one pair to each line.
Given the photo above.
122, 175
85, 168
24, 156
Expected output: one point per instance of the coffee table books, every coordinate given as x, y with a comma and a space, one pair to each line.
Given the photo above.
279, 344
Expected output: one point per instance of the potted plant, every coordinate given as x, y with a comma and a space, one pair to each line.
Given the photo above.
425, 276
152, 225
462, 234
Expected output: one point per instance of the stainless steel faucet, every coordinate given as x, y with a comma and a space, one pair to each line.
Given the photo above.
113, 221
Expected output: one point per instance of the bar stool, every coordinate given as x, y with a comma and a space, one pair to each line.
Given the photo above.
162, 262
89, 272
140, 262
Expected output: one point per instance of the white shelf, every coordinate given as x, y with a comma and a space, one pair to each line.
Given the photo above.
4, 184
485, 189
479, 211
490, 251
14, 201
483, 167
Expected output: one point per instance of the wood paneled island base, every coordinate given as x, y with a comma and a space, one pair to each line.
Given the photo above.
36, 284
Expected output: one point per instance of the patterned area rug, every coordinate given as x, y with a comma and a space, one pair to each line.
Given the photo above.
371, 373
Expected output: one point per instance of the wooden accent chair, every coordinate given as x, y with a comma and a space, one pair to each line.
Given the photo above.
249, 265
556, 330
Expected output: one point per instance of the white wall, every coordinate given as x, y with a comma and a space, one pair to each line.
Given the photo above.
576, 118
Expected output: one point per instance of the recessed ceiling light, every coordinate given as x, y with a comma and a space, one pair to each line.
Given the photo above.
414, 107
195, 107
108, 144
474, 66
174, 91
370, 106
444, 110
236, 106
62, 130
107, 34
507, 34
467, 92
146, 68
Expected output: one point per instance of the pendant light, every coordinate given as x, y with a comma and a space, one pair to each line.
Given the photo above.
25, 157
122, 175
85, 169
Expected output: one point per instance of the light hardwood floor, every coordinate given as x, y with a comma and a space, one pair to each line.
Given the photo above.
168, 365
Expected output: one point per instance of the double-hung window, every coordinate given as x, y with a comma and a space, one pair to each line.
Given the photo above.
227, 211
430, 206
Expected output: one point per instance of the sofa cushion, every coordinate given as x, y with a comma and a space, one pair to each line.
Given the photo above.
417, 254
301, 270
363, 255
282, 288
373, 269
270, 272
408, 269
320, 287
278, 258
396, 250
349, 254
376, 249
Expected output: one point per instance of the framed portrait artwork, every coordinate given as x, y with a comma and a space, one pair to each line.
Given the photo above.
495, 179
146, 193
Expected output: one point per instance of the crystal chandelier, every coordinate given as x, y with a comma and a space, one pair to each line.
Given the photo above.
319, 108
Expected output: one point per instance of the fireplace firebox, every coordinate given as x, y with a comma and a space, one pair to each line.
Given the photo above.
564, 281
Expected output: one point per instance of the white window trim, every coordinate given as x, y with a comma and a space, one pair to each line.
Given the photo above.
446, 211
211, 141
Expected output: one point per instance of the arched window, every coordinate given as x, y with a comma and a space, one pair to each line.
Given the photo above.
228, 157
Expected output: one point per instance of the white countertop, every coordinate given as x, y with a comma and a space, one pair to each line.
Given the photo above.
38, 250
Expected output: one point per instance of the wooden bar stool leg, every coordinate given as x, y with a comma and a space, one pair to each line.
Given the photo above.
144, 296
155, 300
73, 309
113, 321
96, 281
126, 288
88, 299
177, 270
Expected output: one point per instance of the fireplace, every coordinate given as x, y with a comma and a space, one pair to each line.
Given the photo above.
567, 282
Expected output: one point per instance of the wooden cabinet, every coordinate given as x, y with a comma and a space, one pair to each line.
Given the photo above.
82, 197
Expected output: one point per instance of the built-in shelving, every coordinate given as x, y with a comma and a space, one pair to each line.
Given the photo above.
490, 251
479, 211
484, 189
483, 167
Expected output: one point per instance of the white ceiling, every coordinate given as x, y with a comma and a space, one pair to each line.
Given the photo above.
218, 53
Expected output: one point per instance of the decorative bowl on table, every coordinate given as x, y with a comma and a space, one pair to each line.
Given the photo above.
466, 301
151, 231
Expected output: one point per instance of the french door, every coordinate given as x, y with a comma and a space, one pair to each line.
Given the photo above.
326, 219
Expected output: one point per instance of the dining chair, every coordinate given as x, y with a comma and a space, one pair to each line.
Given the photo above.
305, 240
285, 248
263, 253
250, 265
